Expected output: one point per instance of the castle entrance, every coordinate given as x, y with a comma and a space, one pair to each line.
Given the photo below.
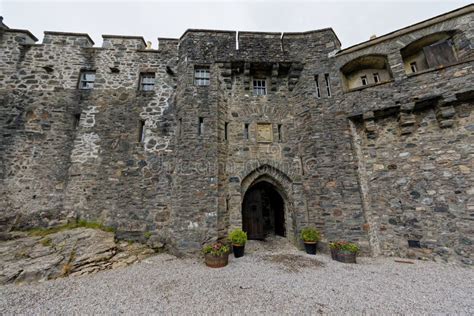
263, 211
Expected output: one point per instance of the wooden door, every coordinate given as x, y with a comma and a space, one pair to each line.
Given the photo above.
252, 218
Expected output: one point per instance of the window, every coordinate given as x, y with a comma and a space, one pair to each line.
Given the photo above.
201, 126
86, 80
413, 67
279, 133
201, 76
376, 77
77, 120
226, 126
246, 131
147, 81
328, 84
318, 90
364, 80
259, 87
180, 127
141, 131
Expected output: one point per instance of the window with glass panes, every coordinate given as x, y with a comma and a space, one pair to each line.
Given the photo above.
147, 81
201, 76
259, 87
86, 80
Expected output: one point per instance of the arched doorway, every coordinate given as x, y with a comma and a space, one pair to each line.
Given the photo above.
263, 211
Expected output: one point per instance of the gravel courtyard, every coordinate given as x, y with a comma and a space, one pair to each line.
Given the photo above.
263, 282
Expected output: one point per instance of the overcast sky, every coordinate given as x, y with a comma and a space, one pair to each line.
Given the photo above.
353, 21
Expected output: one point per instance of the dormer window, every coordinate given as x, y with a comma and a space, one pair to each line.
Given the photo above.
363, 79
259, 87
202, 76
147, 81
86, 80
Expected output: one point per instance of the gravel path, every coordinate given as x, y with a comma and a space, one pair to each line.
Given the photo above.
263, 282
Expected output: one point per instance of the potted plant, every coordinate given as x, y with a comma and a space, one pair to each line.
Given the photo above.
344, 251
216, 255
238, 238
310, 237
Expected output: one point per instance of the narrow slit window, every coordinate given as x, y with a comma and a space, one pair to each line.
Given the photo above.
246, 131
328, 84
363, 79
259, 87
226, 127
86, 80
201, 126
77, 120
202, 76
141, 131
279, 133
180, 127
413, 67
318, 89
376, 77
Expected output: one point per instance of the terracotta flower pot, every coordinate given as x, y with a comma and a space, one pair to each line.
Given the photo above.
216, 261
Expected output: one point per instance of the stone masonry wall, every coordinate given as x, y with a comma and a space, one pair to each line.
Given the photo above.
388, 165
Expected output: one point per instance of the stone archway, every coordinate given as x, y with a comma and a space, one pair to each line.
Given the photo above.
263, 211
269, 181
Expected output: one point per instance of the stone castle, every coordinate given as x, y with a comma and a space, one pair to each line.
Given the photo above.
270, 132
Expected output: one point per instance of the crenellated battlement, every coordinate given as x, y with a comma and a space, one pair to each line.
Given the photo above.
67, 39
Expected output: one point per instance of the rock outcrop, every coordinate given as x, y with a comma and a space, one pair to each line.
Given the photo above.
25, 258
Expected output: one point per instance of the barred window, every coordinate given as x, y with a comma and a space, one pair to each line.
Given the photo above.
202, 76
259, 87
147, 81
86, 80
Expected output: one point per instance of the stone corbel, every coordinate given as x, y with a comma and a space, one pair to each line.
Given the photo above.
274, 77
226, 74
247, 76
294, 75
445, 112
369, 124
406, 119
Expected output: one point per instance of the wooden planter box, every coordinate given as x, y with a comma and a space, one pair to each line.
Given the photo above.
346, 256
216, 261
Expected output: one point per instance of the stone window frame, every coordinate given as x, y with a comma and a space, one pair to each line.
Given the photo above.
364, 81
260, 87
413, 67
141, 131
327, 80
247, 131
146, 84
202, 76
318, 88
84, 82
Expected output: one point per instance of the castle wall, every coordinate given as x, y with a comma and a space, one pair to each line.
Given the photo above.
76, 153
412, 141
381, 165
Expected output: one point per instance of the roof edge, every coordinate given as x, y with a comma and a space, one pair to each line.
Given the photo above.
411, 28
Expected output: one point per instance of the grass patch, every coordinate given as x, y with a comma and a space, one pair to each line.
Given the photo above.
41, 232
46, 242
